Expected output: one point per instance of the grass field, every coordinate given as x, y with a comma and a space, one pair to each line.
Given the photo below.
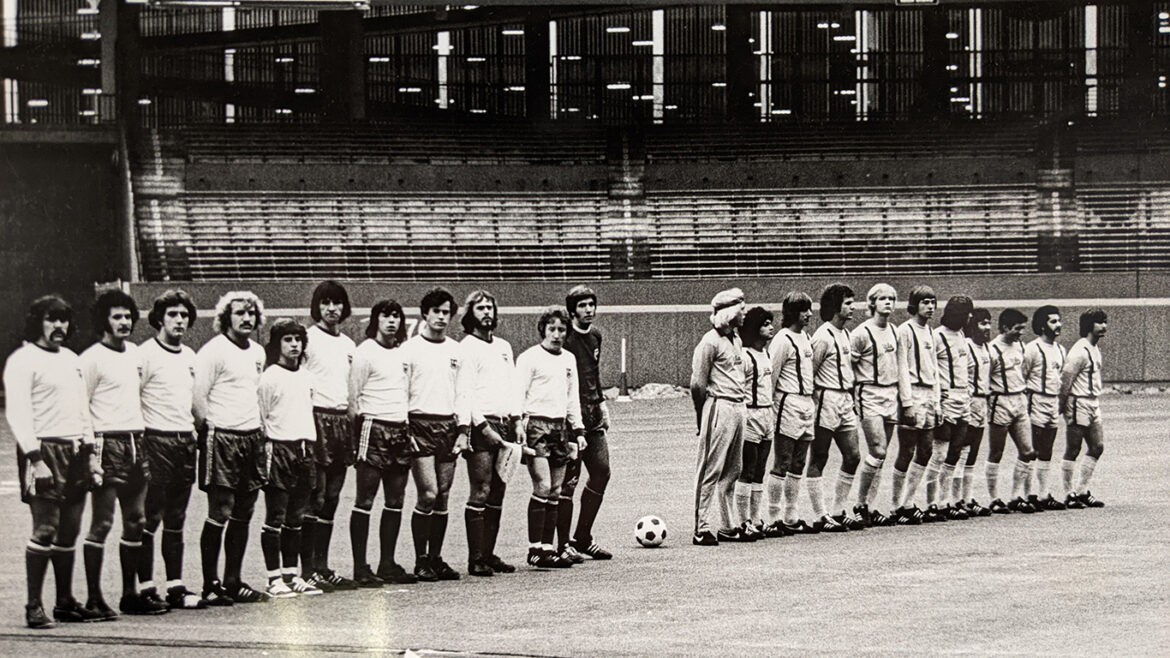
1091, 582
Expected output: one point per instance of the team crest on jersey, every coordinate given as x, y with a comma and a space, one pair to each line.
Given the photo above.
597, 354
890, 347
259, 367
349, 359
454, 363
568, 373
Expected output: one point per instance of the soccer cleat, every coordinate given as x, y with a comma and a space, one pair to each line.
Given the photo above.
338, 581
1073, 501
478, 568
278, 589
550, 560
299, 586
498, 565
215, 595
317, 580
181, 598
1089, 501
100, 611
141, 604
879, 520
72, 611
850, 522
1034, 501
1020, 505
997, 506
861, 511
365, 577
393, 573
956, 513
572, 554
1051, 503
592, 550
152, 594
908, 515
828, 524
443, 571
933, 515
775, 530
975, 509
423, 570
35, 617
243, 593
534, 555
800, 528
732, 535
704, 538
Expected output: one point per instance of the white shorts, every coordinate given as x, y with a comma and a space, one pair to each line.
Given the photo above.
794, 416
977, 412
1043, 409
1006, 409
877, 401
761, 422
1082, 411
922, 407
956, 403
835, 410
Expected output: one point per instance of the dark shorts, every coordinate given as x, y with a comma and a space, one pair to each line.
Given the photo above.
69, 466
171, 457
383, 445
548, 439
234, 460
434, 436
334, 447
292, 466
592, 418
502, 426
123, 459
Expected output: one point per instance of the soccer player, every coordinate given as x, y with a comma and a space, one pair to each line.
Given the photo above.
584, 342
718, 391
439, 426
547, 379
1080, 384
328, 356
46, 409
1008, 413
918, 395
836, 420
978, 332
495, 418
1043, 363
378, 408
792, 371
757, 331
166, 387
286, 413
950, 436
110, 368
233, 465
875, 369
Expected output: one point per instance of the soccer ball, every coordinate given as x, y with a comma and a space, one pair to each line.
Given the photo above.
650, 531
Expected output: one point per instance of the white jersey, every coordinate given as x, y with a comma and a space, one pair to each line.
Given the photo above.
167, 386
792, 363
549, 384
328, 359
112, 382
757, 374
832, 358
45, 396
377, 382
286, 404
1042, 365
875, 353
437, 382
953, 356
917, 360
1083, 368
227, 377
493, 378
979, 368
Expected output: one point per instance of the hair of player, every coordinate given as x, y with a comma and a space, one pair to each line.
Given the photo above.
387, 307
281, 328
435, 298
879, 290
108, 301
1009, 318
919, 294
329, 291
793, 304
53, 307
754, 320
832, 297
223, 309
1040, 318
552, 313
165, 301
972, 329
576, 295
955, 314
473, 298
1091, 317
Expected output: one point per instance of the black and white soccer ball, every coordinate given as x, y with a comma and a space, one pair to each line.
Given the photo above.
650, 531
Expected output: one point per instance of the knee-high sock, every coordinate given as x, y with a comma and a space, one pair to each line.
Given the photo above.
548, 536
62, 557
899, 485
1088, 465
359, 535
590, 505
536, 510
1068, 469
308, 548
876, 485
420, 531
270, 547
1043, 468
172, 553
209, 544
743, 502
913, 478
564, 519
128, 556
946, 474
776, 497
438, 533
968, 482
290, 549
36, 563
992, 471
956, 483
933, 467
322, 534
755, 497
870, 467
816, 496
841, 491
1020, 478
235, 545
473, 522
491, 528
388, 529
791, 497
146, 560
92, 553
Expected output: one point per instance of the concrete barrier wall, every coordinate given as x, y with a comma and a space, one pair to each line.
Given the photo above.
662, 320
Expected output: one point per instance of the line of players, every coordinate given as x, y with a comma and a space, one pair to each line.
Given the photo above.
137, 425
758, 389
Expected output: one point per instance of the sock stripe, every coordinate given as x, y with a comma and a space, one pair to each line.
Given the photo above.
358, 510
391, 509
130, 544
475, 508
63, 549
95, 544
421, 512
218, 524
38, 548
325, 521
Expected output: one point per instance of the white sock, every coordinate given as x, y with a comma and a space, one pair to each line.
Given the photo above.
992, 470
841, 494
945, 475
776, 497
816, 496
1020, 479
968, 480
1043, 467
899, 483
871, 467
743, 500
791, 493
957, 483
875, 485
757, 494
913, 477
1068, 468
1088, 465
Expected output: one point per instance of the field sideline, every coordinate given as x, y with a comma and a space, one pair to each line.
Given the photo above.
1091, 582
